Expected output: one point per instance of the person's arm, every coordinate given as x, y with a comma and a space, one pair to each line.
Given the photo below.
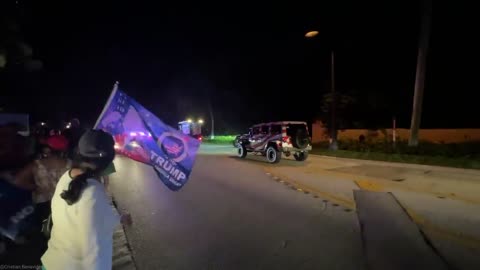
24, 178
126, 219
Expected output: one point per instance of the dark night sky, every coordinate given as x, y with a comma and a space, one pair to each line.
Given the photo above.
173, 57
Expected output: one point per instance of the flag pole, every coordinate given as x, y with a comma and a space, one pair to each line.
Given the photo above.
112, 94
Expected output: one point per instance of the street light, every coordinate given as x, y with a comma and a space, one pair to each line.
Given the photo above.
200, 121
333, 141
189, 120
311, 34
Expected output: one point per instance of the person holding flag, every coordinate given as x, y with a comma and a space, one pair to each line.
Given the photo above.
83, 218
144, 137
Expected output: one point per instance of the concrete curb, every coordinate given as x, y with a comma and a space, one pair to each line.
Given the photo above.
391, 239
122, 258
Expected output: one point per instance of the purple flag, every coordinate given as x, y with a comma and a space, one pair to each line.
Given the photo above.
142, 136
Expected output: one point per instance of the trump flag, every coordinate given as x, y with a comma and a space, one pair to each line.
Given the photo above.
142, 136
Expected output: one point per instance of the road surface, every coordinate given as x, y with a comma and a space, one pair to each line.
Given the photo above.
231, 215
246, 214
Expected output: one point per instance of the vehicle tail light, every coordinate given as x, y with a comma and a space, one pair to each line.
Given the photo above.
286, 139
200, 138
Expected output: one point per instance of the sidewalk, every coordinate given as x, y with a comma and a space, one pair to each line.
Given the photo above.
443, 202
453, 183
122, 257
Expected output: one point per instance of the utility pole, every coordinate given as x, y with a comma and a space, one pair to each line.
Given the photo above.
333, 143
212, 131
394, 132
420, 74
333, 132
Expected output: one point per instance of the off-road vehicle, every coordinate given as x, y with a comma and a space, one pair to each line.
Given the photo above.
273, 139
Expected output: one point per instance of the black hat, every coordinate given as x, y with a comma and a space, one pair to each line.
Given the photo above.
96, 144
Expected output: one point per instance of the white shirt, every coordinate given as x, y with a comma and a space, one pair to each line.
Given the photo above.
82, 233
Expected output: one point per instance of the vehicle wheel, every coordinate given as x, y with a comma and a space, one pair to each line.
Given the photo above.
301, 156
301, 139
273, 156
241, 151
235, 141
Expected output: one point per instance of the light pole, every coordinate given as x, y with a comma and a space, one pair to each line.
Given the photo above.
420, 73
200, 124
333, 106
212, 131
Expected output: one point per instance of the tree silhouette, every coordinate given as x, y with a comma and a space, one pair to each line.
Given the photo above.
15, 52
360, 109
344, 104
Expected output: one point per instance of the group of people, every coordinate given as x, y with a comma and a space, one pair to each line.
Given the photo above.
68, 181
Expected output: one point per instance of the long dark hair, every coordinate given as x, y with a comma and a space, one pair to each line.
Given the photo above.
91, 168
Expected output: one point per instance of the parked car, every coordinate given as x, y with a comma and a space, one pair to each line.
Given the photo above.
273, 139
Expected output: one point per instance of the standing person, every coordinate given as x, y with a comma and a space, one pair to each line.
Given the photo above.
47, 173
14, 155
83, 218
41, 177
73, 134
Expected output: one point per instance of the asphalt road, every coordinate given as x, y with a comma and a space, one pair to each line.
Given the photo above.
231, 215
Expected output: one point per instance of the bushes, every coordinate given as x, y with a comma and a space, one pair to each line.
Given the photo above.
454, 150
462, 155
228, 139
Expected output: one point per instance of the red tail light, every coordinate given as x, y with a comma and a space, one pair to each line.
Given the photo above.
286, 139
200, 138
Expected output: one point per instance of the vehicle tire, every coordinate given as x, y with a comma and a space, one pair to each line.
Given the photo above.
301, 156
235, 141
241, 151
301, 139
273, 156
